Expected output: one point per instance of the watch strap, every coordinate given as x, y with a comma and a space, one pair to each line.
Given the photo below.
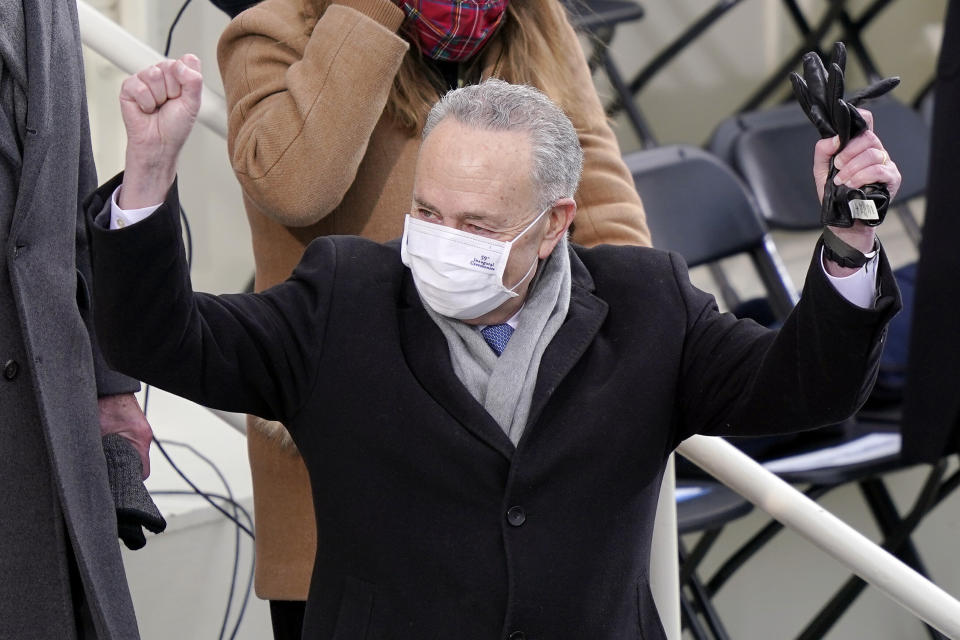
838, 251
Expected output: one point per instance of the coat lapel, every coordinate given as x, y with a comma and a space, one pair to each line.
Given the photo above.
584, 319
38, 19
427, 355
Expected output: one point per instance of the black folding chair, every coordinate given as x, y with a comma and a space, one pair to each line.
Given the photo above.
703, 507
773, 151
599, 19
765, 148
835, 15
697, 207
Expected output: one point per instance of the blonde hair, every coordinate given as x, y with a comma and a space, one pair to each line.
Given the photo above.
532, 39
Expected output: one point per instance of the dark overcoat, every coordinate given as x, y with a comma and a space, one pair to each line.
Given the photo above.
57, 520
431, 524
931, 412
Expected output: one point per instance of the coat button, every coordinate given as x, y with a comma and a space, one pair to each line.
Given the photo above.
10, 369
517, 635
516, 517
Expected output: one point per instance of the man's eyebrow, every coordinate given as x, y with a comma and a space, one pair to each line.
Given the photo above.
420, 202
468, 215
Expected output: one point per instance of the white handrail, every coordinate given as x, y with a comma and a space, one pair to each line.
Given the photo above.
798, 512
127, 53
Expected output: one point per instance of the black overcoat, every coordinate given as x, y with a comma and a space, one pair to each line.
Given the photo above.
431, 524
931, 412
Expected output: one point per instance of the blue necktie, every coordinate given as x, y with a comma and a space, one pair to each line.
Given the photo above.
497, 336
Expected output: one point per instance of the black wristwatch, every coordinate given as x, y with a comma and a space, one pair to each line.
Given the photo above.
838, 251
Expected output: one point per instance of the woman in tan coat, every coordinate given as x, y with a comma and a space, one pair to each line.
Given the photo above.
326, 100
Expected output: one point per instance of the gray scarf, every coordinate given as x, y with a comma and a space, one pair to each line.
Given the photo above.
504, 385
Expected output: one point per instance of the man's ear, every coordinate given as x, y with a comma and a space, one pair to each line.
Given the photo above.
559, 219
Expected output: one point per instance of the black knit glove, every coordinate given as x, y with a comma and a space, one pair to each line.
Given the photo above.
135, 507
820, 94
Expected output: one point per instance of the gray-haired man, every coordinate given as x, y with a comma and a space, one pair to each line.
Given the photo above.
485, 411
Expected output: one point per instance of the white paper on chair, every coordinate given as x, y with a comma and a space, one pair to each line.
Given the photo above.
682, 494
863, 449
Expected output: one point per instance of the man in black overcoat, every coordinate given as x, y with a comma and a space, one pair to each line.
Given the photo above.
485, 410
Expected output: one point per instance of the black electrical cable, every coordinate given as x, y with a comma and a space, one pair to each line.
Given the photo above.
246, 594
183, 7
236, 542
235, 519
249, 520
196, 489
166, 53
201, 493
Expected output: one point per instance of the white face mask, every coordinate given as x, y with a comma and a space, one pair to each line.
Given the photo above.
459, 274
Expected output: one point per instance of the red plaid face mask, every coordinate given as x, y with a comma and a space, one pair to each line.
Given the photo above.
452, 30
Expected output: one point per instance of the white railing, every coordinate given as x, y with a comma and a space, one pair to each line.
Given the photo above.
723, 461
798, 512
129, 54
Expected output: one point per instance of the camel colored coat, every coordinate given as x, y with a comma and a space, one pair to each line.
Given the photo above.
307, 83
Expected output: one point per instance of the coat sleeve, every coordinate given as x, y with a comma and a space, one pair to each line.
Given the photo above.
741, 379
248, 353
303, 97
609, 211
108, 381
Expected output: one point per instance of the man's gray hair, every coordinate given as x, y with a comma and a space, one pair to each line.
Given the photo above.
495, 105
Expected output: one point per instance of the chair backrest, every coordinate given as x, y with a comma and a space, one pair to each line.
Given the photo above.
772, 151
698, 207
695, 205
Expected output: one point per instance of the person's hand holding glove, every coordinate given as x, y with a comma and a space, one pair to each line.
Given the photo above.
135, 508
126, 436
820, 94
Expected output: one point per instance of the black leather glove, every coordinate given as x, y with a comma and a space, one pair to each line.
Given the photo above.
135, 507
820, 94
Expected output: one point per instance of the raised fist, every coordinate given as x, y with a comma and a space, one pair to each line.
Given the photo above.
159, 106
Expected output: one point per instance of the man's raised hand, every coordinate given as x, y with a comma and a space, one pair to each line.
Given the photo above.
159, 106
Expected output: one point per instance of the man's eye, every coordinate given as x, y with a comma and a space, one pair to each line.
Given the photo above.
472, 228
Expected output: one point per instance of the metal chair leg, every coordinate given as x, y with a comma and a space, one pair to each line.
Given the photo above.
753, 545
690, 621
699, 598
896, 532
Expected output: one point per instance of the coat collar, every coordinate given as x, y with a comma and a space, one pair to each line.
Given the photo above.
585, 317
428, 357
426, 352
